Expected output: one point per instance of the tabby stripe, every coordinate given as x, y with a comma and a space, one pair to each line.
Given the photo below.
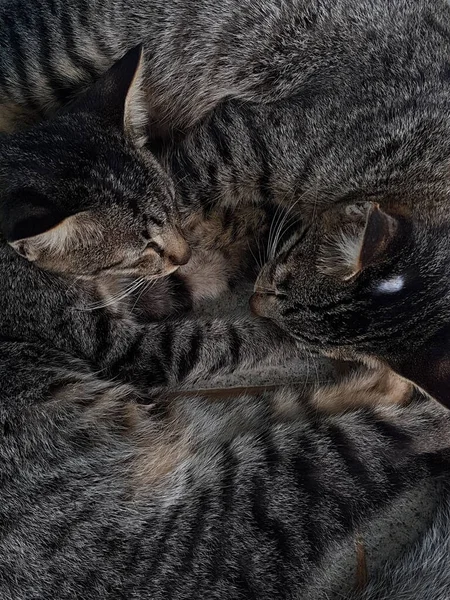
393, 435
162, 570
188, 167
220, 142
191, 355
213, 172
161, 534
271, 454
74, 53
157, 372
348, 454
19, 58
193, 541
102, 338
229, 465
235, 346
166, 344
259, 145
244, 585
46, 54
272, 528
311, 492
132, 352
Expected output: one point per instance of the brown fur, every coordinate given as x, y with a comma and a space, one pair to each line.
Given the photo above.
367, 387
157, 443
14, 117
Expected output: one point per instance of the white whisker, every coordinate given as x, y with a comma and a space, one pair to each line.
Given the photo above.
135, 285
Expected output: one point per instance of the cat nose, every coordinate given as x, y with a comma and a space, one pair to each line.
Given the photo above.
180, 258
176, 249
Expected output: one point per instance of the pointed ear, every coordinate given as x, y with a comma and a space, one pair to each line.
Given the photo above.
119, 97
429, 368
77, 229
357, 237
27, 212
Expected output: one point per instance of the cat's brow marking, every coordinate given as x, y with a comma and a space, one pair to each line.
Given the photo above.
391, 285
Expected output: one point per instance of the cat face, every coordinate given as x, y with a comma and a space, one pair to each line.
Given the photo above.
364, 284
78, 195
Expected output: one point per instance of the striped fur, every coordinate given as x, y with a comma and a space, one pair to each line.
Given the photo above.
421, 573
361, 116
106, 490
53, 50
187, 498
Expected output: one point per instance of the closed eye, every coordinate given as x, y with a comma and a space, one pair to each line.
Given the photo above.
119, 263
154, 246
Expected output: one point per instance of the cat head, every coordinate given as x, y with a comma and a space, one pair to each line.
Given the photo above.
79, 195
369, 284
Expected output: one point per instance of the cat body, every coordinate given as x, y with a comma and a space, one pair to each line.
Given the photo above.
107, 490
198, 55
420, 573
188, 498
191, 498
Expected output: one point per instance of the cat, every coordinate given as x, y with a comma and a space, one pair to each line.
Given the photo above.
98, 228
358, 119
188, 498
198, 55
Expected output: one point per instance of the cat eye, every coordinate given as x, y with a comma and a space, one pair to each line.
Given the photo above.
155, 247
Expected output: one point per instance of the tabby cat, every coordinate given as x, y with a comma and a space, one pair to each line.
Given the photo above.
183, 499
355, 121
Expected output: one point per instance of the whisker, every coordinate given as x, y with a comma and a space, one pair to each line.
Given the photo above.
135, 285
258, 266
147, 285
274, 224
279, 229
289, 223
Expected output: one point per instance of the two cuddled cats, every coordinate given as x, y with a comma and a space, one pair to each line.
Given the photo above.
358, 128
188, 499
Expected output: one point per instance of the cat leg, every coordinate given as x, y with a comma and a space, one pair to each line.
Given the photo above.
186, 350
363, 388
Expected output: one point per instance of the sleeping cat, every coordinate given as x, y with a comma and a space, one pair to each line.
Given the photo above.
360, 119
189, 498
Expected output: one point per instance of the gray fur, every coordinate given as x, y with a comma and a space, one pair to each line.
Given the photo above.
85, 509
362, 115
186, 499
199, 54
422, 572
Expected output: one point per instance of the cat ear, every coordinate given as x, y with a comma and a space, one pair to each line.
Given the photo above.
79, 228
357, 237
118, 96
26, 213
429, 367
